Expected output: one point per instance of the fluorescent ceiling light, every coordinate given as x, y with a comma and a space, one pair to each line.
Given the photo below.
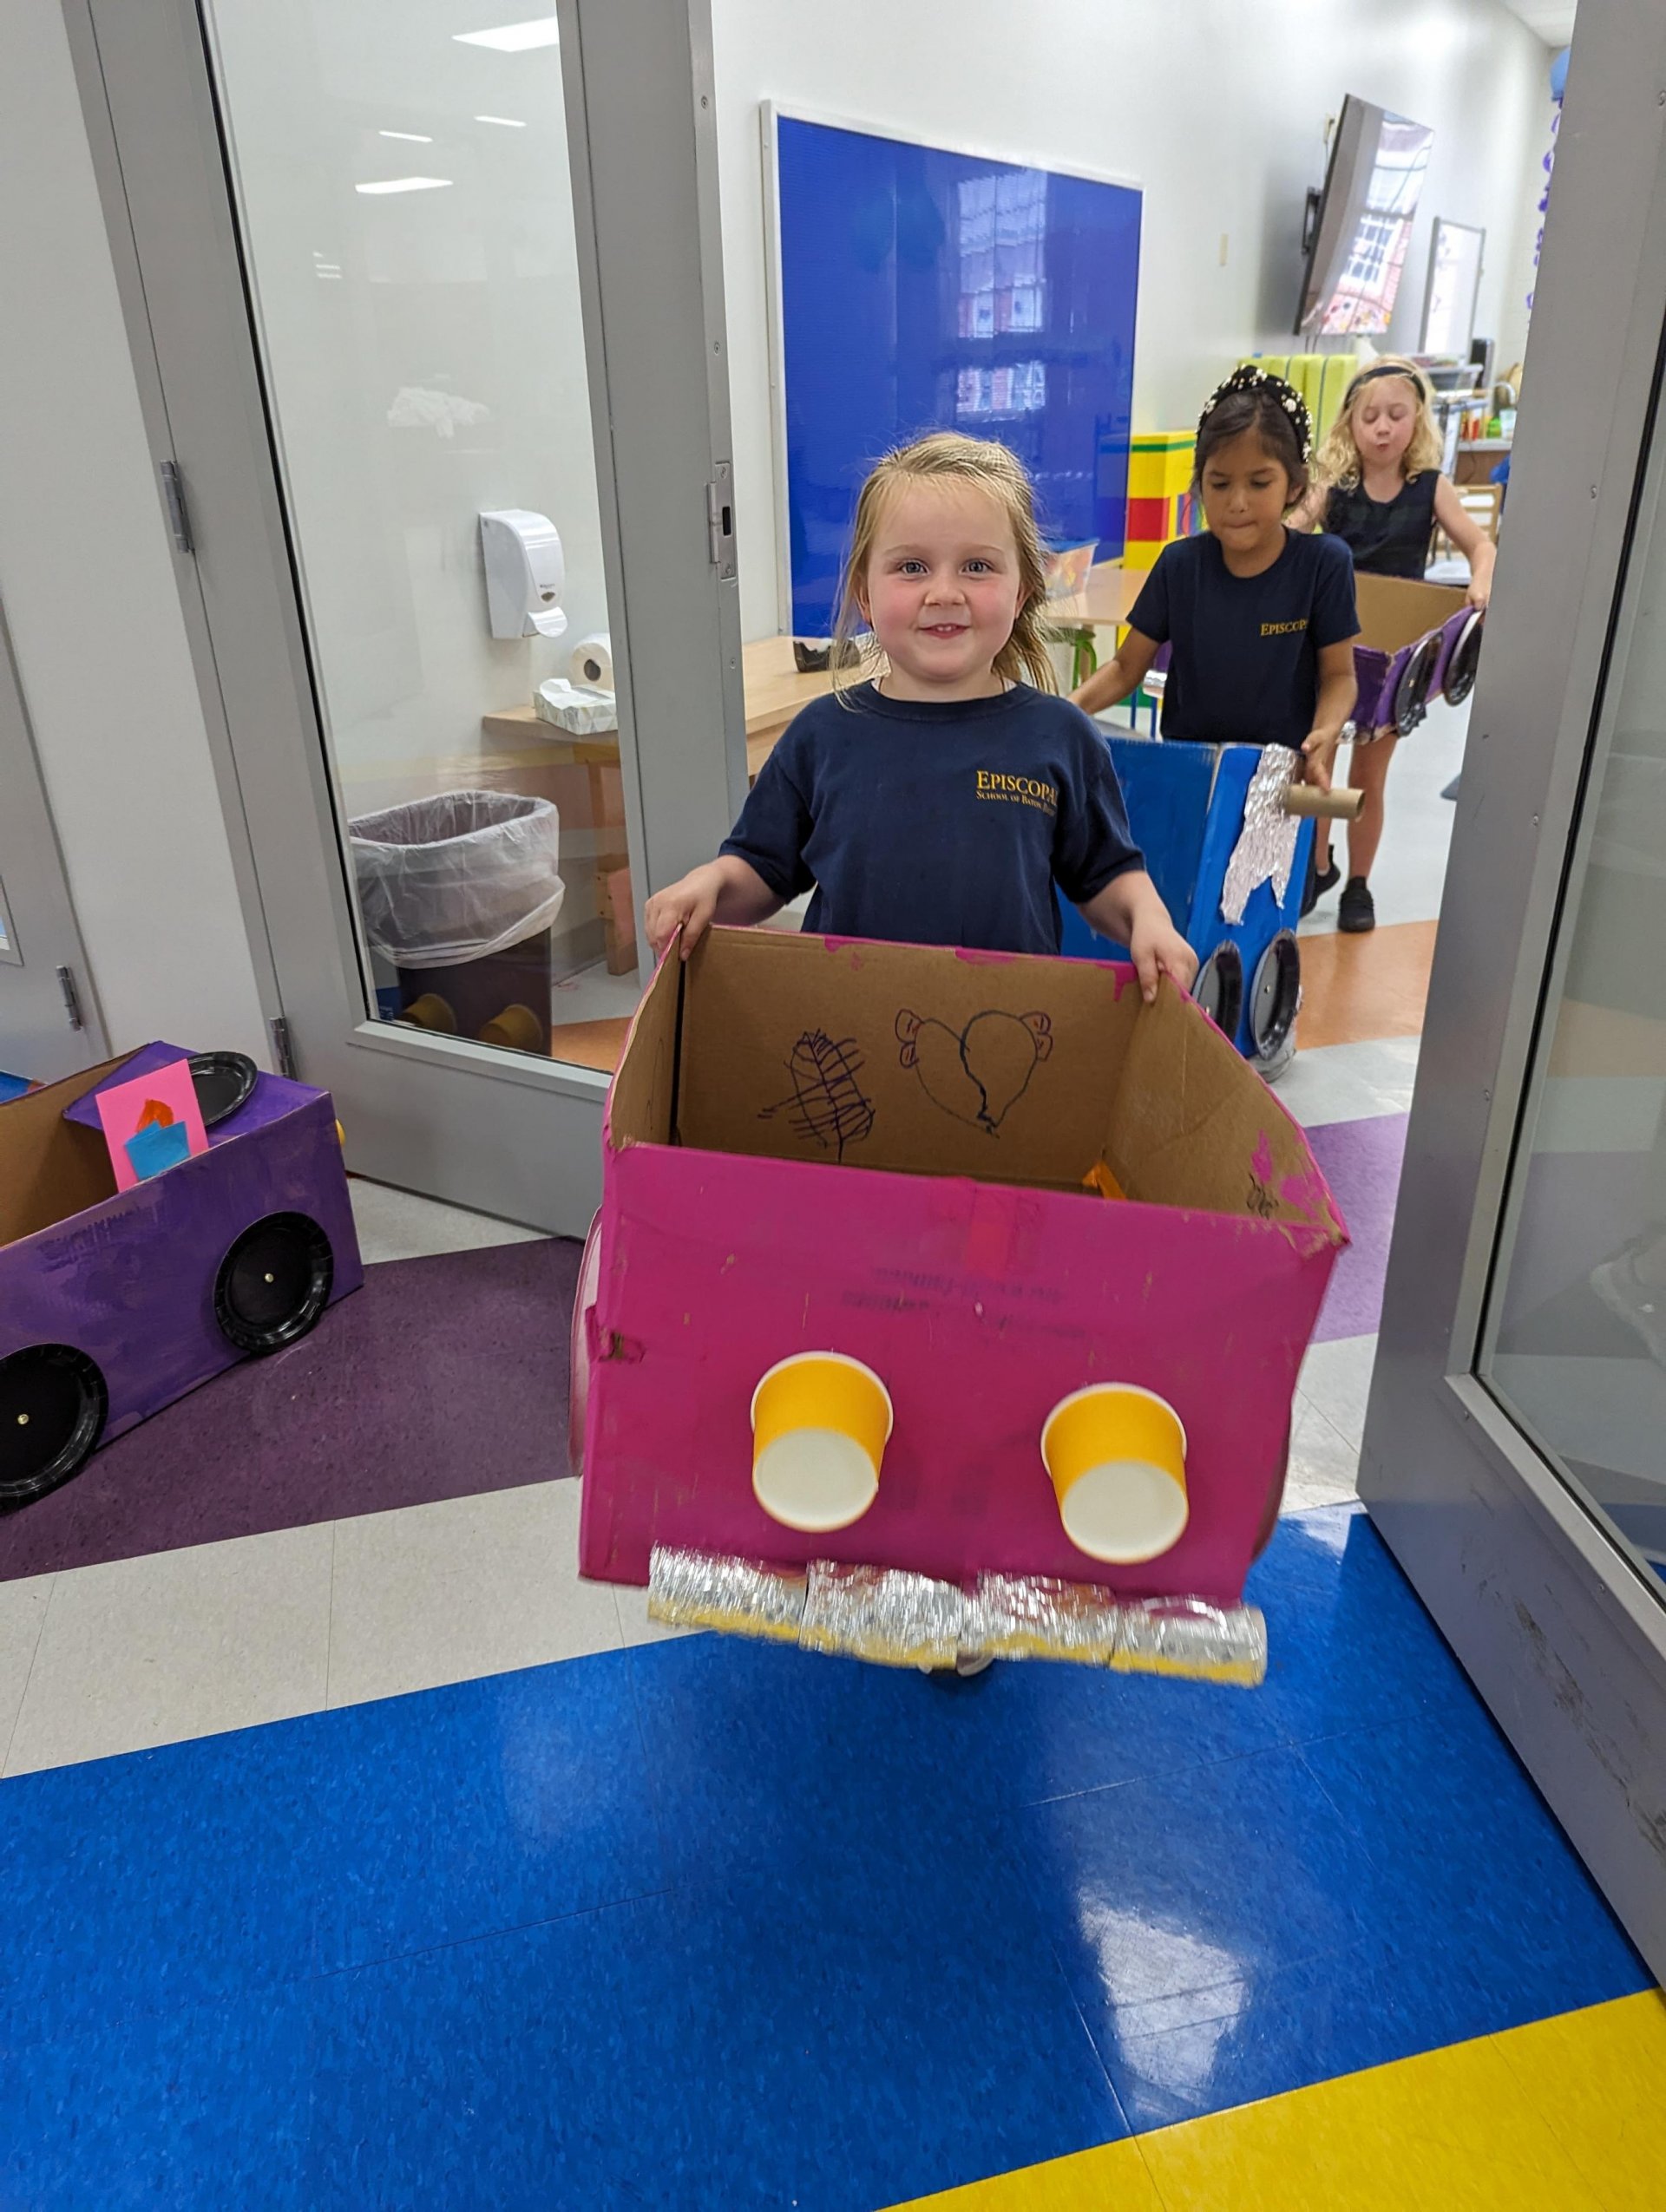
514, 38
415, 137
407, 183
509, 123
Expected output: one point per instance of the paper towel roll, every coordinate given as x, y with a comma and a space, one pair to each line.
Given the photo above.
592, 661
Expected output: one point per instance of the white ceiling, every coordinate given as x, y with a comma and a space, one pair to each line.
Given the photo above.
1552, 19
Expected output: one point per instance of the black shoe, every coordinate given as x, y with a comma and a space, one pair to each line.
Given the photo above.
1356, 910
1318, 884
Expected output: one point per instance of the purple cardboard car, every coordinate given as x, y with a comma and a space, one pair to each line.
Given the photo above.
112, 1306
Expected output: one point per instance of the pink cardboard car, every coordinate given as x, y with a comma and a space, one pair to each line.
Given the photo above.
1005, 1230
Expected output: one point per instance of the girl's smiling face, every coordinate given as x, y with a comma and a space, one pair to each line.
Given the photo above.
941, 590
1385, 415
1246, 492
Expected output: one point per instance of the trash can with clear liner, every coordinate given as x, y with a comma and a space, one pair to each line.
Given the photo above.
460, 892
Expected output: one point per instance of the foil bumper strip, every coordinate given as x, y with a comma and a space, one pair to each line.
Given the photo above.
897, 1619
1265, 852
747, 1597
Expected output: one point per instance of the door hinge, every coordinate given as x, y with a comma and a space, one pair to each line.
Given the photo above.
720, 520
282, 1050
71, 998
179, 515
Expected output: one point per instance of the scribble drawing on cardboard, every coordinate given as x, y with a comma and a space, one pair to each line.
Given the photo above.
980, 1073
827, 1105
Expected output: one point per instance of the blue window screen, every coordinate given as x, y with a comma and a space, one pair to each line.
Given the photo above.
923, 291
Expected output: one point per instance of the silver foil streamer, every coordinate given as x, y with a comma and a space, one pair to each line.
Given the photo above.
1185, 1636
882, 1613
1034, 1616
1265, 852
745, 1596
896, 1618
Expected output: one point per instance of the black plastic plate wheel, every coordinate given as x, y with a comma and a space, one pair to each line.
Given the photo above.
1412, 692
222, 1082
1219, 987
1274, 1000
53, 1405
1465, 661
273, 1283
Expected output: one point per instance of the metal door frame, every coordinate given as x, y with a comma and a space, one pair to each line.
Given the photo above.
1549, 1616
45, 948
641, 127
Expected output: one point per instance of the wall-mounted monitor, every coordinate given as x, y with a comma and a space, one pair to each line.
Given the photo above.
1361, 229
1454, 283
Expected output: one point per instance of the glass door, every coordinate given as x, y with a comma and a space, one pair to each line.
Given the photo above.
439, 358
1515, 1451
50, 1024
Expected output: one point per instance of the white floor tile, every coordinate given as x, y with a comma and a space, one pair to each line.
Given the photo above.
139, 1651
1324, 1467
399, 1225
445, 1593
1336, 1380
634, 1625
23, 1610
1350, 1083
1410, 872
592, 995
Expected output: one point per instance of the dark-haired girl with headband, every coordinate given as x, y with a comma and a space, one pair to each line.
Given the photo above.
1379, 490
1259, 617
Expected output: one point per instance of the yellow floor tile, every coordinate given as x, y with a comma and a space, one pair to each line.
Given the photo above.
1452, 2130
1112, 2178
1598, 2078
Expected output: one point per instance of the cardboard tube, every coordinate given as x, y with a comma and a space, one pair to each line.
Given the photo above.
1307, 800
820, 1425
1117, 1455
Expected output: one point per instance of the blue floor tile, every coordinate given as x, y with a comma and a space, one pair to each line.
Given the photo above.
746, 2045
1484, 1891
1348, 1642
1173, 1903
197, 1872
196, 2109
760, 1755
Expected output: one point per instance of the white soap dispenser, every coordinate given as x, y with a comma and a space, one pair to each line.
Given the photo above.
525, 573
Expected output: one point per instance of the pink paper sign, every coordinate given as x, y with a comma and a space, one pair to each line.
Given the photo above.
152, 1122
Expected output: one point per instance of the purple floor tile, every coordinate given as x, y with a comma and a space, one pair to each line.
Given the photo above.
441, 1378
1362, 1162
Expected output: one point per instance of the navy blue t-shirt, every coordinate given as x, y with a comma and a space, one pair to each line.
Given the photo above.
1245, 664
938, 825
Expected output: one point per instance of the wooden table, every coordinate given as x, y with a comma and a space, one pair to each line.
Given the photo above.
774, 693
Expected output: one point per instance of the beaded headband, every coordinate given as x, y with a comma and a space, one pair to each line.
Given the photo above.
1414, 376
1251, 379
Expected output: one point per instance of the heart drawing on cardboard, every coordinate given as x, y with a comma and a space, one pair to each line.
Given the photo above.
979, 1073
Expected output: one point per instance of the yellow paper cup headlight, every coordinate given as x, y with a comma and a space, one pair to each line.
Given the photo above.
820, 1425
1117, 1455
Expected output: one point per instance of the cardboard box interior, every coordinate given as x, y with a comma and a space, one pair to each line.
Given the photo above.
49, 1167
924, 1061
1395, 611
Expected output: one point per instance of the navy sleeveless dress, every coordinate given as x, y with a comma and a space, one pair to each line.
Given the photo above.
1386, 537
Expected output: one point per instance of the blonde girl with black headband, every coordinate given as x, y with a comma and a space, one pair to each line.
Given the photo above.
1378, 489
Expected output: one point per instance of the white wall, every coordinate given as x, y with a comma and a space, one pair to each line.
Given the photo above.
86, 576
1217, 108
